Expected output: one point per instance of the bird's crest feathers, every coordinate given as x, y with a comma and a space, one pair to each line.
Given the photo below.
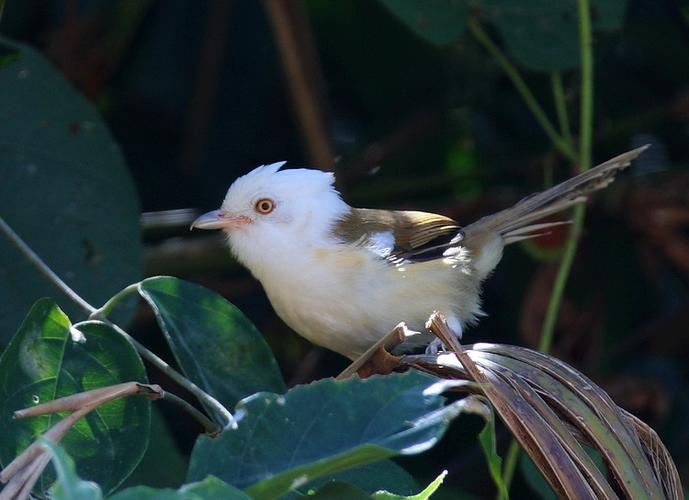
295, 183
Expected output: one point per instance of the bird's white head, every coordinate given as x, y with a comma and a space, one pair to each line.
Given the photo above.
269, 212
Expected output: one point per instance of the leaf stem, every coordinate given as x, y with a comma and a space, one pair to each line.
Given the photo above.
211, 427
512, 72
106, 308
145, 353
561, 106
586, 134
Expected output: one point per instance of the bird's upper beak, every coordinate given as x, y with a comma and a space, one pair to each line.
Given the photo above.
217, 219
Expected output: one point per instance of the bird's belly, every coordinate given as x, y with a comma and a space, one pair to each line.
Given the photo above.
350, 301
327, 318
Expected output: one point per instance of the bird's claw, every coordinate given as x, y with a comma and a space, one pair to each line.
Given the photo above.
435, 347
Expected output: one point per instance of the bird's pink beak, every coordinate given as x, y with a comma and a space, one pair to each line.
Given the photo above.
217, 219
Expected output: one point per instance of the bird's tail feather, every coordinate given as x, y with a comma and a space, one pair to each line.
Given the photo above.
486, 237
517, 220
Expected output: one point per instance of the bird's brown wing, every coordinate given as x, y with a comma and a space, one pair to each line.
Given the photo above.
418, 236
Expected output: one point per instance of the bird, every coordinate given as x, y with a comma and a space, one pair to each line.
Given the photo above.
344, 277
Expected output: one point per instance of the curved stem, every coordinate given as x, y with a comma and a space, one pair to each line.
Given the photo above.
211, 427
105, 309
511, 71
145, 353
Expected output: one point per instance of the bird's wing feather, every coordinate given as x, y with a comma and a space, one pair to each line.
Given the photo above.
414, 236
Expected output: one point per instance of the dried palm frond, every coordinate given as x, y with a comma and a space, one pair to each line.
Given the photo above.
553, 411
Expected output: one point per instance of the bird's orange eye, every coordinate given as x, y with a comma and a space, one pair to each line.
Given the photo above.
265, 206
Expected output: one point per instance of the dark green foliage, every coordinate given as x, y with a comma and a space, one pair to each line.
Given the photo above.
541, 34
284, 442
215, 344
65, 190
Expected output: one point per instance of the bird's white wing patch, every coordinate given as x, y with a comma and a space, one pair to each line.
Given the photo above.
381, 243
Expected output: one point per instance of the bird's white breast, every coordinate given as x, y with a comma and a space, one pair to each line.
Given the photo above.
346, 298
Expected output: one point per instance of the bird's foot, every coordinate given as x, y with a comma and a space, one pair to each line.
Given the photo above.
435, 347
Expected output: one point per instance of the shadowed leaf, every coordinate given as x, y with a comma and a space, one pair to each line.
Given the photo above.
284, 442
65, 190
217, 347
440, 22
211, 488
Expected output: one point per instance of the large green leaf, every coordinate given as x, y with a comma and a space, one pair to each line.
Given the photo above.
42, 363
341, 489
65, 190
214, 343
210, 488
440, 22
376, 476
543, 35
284, 442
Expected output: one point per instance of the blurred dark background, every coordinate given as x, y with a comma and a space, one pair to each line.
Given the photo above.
198, 93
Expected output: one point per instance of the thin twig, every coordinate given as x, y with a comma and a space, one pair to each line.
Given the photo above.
145, 353
513, 73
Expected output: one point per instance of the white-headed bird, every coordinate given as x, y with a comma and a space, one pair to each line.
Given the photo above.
343, 277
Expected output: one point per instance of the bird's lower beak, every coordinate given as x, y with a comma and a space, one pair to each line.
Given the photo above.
218, 219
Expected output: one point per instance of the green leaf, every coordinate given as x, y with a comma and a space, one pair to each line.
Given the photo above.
215, 344
370, 478
69, 486
544, 35
65, 190
338, 489
440, 22
43, 363
344, 490
423, 495
211, 488
284, 442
